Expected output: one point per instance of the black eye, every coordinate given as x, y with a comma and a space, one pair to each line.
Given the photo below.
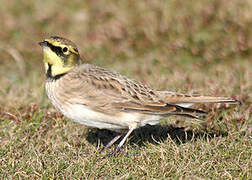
65, 49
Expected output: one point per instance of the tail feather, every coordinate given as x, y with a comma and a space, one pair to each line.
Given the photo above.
167, 110
171, 109
187, 112
189, 100
175, 104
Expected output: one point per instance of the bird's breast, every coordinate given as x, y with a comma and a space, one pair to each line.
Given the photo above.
87, 116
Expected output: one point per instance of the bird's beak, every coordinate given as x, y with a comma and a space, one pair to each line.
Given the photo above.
43, 43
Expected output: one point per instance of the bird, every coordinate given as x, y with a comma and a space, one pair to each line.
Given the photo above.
96, 97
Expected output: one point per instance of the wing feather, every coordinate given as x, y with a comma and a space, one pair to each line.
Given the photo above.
110, 92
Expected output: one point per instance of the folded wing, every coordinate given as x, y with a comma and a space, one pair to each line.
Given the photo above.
111, 92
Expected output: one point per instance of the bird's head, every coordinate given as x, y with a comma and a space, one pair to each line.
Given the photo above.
60, 55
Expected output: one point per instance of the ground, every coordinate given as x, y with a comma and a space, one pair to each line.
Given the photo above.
191, 47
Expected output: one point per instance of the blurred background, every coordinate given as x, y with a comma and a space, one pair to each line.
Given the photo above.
176, 45
197, 46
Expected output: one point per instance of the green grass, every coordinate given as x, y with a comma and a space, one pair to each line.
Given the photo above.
196, 46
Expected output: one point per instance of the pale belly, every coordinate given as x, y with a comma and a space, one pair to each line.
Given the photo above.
123, 120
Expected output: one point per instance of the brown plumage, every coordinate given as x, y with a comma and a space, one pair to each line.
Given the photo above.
100, 98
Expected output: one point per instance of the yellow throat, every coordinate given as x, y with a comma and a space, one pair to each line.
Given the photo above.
60, 56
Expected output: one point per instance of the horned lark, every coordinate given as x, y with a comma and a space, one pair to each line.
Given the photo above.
96, 97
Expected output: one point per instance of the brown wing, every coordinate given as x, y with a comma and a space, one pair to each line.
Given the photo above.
110, 92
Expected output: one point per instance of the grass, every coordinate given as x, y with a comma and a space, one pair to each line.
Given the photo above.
196, 46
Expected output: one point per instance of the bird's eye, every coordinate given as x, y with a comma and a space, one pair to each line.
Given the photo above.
65, 49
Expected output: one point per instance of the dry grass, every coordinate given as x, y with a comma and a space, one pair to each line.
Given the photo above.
196, 46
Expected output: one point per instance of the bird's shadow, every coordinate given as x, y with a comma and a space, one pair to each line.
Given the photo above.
152, 134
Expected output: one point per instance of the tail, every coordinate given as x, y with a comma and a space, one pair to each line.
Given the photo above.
174, 104
185, 100
162, 110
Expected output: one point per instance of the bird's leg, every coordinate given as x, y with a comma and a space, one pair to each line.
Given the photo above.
110, 142
122, 142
